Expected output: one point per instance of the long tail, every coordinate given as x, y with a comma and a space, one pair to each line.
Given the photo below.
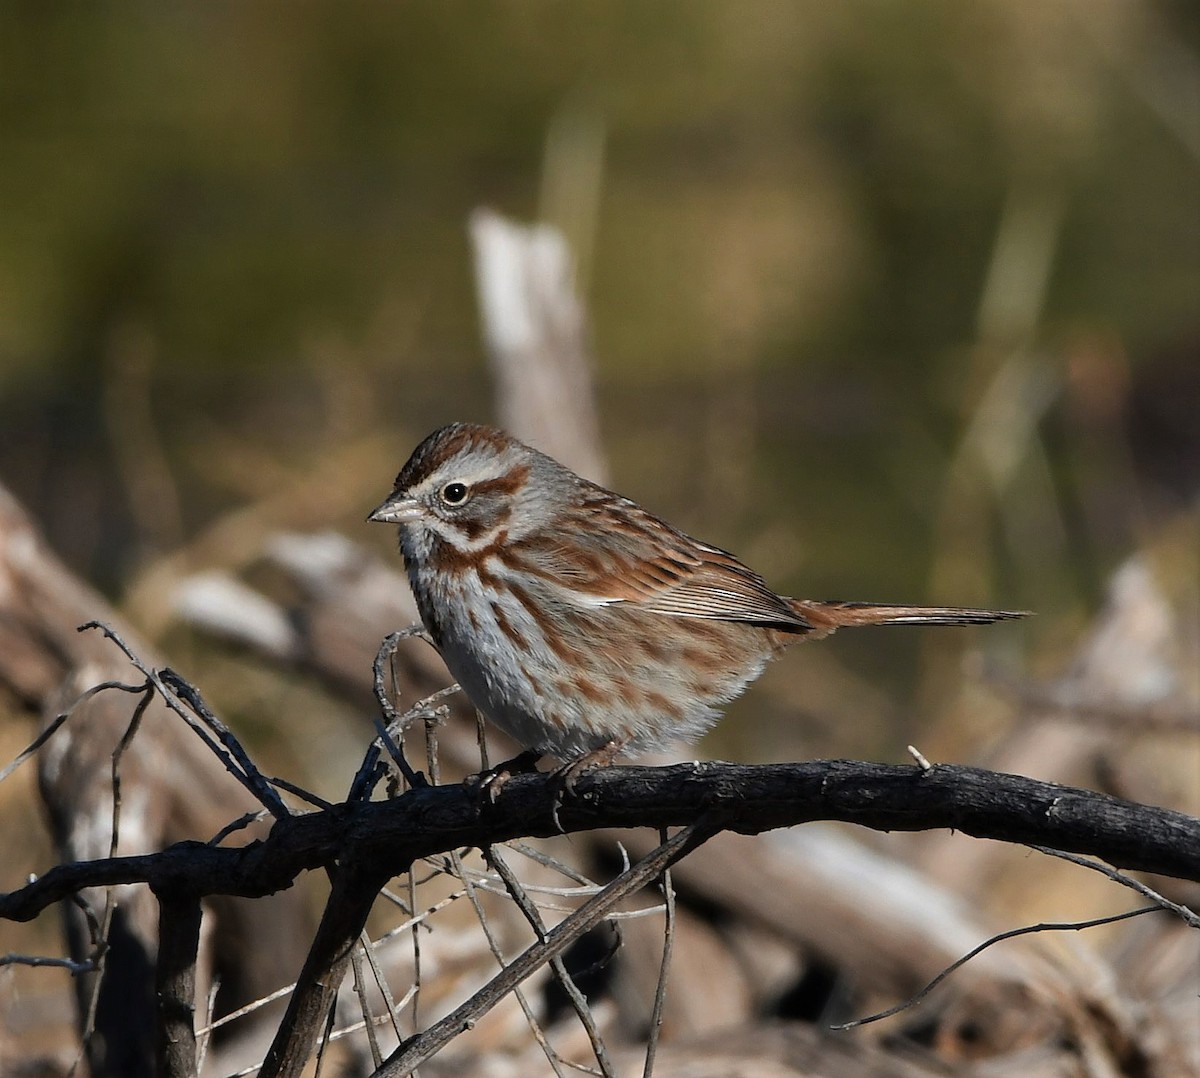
830, 615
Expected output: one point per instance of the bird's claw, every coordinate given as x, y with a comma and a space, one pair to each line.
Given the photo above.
490, 783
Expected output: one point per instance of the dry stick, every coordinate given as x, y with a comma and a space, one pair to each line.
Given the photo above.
360, 990
748, 799
393, 718
350, 901
415, 995
300, 792
88, 965
1187, 915
257, 783
547, 861
660, 992
577, 998
89, 1024
239, 824
204, 1035
330, 1019
381, 984
226, 749
423, 1045
126, 738
249, 1008
175, 984
1050, 926
535, 1028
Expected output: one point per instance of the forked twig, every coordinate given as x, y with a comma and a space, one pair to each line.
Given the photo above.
422, 1045
100, 931
535, 1026
174, 690
530, 912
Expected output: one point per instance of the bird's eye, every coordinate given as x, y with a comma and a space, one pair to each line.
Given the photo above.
454, 493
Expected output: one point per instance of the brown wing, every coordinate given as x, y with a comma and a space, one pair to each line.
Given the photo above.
637, 558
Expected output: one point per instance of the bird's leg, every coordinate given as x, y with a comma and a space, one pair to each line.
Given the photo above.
602, 757
492, 781
568, 774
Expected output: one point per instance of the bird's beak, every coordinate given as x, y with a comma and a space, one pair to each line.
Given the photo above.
398, 509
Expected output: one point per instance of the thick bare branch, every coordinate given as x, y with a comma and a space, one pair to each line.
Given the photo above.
747, 798
175, 984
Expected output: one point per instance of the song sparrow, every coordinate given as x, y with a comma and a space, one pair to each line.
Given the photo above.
575, 620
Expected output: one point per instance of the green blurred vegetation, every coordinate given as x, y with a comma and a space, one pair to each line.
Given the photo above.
827, 239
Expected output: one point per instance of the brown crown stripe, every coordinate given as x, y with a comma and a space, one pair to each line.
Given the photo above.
444, 445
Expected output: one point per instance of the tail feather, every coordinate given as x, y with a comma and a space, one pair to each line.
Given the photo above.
827, 616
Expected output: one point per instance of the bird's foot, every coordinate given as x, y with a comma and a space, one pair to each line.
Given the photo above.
491, 782
569, 773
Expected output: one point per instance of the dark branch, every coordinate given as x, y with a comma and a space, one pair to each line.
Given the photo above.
175, 984
345, 916
389, 835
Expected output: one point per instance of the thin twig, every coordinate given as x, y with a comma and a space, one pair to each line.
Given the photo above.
415, 935
300, 792
660, 991
119, 752
257, 782
62, 717
204, 1034
1187, 915
1062, 926
576, 997
135, 722
239, 824
360, 990
386, 650
249, 1008
546, 860
226, 747
323, 1043
422, 1045
74, 967
382, 984
535, 1026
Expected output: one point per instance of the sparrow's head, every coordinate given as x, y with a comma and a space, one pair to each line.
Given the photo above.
466, 484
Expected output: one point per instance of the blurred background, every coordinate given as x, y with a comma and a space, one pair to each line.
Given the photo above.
898, 302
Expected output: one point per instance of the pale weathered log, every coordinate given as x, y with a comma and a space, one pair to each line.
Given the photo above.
171, 788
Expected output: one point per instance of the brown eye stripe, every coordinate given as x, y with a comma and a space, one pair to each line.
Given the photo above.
509, 483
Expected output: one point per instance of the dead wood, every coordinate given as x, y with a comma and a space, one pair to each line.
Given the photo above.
168, 787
